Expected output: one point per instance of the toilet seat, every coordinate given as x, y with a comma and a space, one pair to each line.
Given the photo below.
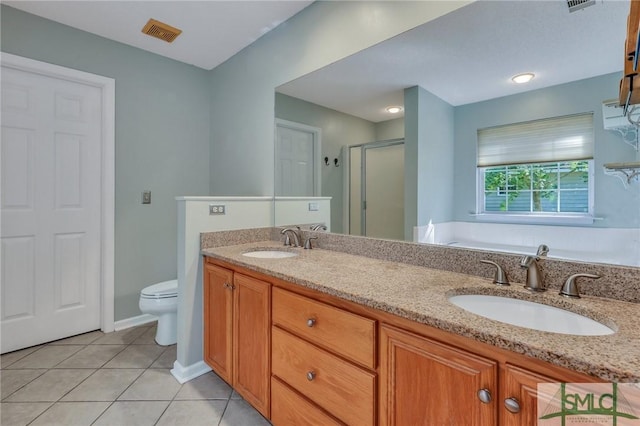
163, 290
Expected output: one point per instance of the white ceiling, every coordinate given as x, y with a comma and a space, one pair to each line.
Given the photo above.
471, 54
466, 56
213, 31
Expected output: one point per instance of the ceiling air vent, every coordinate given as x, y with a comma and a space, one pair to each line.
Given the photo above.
579, 4
161, 30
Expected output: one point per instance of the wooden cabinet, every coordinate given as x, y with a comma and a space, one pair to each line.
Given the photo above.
424, 382
237, 312
630, 83
319, 352
301, 357
518, 390
218, 320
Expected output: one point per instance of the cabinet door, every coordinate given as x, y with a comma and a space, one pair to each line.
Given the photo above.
424, 382
218, 298
520, 387
251, 335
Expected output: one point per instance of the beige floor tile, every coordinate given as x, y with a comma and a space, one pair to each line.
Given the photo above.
71, 414
152, 385
167, 358
122, 337
92, 356
136, 356
146, 338
129, 413
80, 339
20, 413
46, 357
11, 357
12, 380
104, 385
51, 386
193, 413
239, 413
207, 386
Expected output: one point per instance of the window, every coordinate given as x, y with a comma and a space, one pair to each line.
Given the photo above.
539, 170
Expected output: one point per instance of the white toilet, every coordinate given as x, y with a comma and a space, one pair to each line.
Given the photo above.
161, 300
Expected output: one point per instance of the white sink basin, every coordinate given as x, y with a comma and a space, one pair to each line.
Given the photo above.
270, 254
530, 315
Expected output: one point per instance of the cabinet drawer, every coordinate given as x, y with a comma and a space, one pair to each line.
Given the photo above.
339, 331
289, 408
344, 390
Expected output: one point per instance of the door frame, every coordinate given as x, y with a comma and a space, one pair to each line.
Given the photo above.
317, 150
106, 86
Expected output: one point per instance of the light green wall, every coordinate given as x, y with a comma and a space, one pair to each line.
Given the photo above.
338, 130
618, 207
242, 88
429, 158
162, 140
390, 129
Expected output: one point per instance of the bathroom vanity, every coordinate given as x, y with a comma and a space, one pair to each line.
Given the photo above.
331, 338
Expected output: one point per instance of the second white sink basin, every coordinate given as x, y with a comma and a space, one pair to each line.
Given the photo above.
530, 315
270, 254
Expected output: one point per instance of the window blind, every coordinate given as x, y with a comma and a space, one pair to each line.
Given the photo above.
541, 141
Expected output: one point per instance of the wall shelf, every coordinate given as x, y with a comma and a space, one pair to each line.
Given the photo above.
626, 172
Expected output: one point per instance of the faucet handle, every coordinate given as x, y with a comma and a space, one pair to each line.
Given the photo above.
307, 243
570, 287
500, 277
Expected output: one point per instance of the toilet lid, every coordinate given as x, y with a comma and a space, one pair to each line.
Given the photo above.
161, 290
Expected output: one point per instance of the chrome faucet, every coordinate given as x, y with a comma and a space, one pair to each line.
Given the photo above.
535, 281
319, 227
287, 232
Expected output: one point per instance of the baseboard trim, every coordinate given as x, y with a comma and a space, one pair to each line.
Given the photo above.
184, 374
134, 321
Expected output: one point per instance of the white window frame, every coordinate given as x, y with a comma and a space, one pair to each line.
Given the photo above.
535, 218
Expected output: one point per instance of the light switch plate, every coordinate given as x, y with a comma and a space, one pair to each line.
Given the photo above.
146, 197
313, 207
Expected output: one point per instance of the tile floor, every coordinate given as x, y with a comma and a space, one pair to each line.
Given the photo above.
114, 379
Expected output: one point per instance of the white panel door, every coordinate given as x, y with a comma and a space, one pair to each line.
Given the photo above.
295, 165
50, 209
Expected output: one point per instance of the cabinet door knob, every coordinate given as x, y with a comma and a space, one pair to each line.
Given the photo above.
311, 322
311, 375
512, 405
484, 395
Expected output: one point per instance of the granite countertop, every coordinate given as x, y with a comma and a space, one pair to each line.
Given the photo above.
421, 294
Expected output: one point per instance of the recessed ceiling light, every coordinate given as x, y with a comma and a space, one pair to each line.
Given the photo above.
523, 78
394, 109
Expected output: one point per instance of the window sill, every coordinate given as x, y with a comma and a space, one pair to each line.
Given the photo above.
533, 219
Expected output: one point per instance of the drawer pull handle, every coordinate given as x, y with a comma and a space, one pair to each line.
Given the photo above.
311, 375
484, 395
311, 322
512, 405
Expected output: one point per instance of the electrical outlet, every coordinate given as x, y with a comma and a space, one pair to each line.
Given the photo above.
216, 209
313, 207
146, 197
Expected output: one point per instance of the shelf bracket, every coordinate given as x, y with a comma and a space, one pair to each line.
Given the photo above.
629, 135
626, 172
